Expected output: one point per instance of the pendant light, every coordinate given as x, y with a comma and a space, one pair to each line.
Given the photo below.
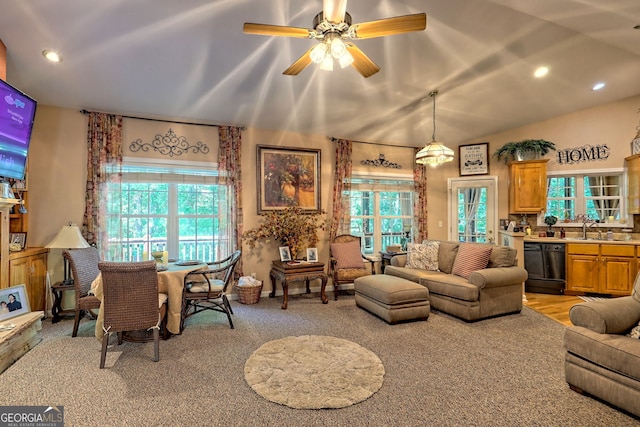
434, 153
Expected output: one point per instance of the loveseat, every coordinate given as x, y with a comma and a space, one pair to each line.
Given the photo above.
471, 281
602, 356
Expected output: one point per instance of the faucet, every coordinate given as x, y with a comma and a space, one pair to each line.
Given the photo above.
586, 220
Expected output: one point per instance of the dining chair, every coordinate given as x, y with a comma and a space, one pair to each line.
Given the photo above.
347, 262
84, 270
206, 289
130, 301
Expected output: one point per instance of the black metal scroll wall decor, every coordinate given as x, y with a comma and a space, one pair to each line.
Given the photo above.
586, 153
169, 144
380, 161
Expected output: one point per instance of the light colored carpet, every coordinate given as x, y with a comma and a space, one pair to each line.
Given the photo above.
314, 372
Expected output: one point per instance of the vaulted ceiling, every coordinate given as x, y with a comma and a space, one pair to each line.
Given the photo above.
190, 60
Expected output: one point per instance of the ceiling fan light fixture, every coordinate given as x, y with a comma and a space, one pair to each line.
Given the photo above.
434, 153
346, 60
318, 53
338, 48
327, 63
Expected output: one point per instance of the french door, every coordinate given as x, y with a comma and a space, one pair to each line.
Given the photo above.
472, 209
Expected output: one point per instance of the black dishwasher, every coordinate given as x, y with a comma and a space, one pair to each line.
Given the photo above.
545, 265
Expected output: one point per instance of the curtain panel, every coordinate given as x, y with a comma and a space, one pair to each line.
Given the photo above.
104, 144
229, 161
420, 227
341, 214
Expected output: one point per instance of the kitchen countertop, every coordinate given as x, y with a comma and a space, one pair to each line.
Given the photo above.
570, 239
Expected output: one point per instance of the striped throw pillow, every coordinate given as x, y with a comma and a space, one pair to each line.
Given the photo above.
471, 257
347, 255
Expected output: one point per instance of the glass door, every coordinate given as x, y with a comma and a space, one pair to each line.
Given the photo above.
472, 209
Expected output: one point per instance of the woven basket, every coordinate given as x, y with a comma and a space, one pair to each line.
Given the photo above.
249, 294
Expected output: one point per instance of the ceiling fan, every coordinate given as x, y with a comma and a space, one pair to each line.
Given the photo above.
331, 27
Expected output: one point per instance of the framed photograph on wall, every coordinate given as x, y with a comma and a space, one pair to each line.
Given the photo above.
13, 302
18, 238
474, 159
288, 177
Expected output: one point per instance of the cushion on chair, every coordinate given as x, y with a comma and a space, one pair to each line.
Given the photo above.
471, 257
423, 256
502, 256
216, 286
162, 298
636, 288
347, 255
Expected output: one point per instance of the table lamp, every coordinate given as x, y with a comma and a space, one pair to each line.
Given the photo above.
69, 237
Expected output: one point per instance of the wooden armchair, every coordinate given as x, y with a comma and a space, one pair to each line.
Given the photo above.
347, 262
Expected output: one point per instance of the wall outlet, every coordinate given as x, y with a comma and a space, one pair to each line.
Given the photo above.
440, 224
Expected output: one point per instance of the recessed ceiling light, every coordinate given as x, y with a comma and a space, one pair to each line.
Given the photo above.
598, 86
52, 55
541, 72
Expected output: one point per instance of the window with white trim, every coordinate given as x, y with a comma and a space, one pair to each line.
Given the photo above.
599, 196
172, 208
381, 211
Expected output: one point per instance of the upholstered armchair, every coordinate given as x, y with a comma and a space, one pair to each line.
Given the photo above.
347, 262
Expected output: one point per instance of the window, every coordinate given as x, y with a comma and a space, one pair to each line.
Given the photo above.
158, 208
381, 212
599, 196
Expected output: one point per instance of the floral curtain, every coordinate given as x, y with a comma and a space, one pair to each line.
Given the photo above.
341, 215
104, 144
229, 157
420, 228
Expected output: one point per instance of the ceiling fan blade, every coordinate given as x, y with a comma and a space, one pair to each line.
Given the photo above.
334, 10
302, 63
389, 26
276, 30
361, 62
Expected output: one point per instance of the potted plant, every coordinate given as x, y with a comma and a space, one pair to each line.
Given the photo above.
550, 220
527, 149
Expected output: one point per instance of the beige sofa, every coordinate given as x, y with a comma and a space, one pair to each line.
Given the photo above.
489, 291
601, 359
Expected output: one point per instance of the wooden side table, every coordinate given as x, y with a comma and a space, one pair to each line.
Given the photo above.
306, 272
58, 290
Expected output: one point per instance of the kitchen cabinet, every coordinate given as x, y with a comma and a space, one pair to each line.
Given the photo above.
633, 183
601, 268
527, 186
29, 267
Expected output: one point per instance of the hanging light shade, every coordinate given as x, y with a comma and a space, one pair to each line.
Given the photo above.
434, 153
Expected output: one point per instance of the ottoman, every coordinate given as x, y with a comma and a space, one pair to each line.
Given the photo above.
392, 298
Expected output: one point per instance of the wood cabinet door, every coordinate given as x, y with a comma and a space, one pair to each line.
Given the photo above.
528, 186
38, 281
617, 275
583, 273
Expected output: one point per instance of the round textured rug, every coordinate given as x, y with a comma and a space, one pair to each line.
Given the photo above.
314, 372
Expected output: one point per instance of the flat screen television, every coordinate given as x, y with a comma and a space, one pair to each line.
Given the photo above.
17, 112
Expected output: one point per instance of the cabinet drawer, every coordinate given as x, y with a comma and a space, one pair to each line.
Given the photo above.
583, 248
618, 250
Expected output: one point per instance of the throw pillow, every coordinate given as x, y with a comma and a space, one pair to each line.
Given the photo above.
423, 256
471, 257
347, 255
635, 332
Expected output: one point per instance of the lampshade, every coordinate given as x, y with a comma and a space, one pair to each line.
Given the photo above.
69, 237
434, 153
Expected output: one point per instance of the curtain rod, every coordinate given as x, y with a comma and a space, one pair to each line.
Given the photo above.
373, 143
85, 112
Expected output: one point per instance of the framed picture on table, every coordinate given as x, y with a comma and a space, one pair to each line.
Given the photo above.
288, 177
474, 159
19, 239
13, 302
285, 253
312, 254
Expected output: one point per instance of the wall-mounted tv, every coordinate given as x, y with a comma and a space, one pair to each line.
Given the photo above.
17, 111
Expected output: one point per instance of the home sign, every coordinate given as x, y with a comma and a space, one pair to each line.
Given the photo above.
586, 153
